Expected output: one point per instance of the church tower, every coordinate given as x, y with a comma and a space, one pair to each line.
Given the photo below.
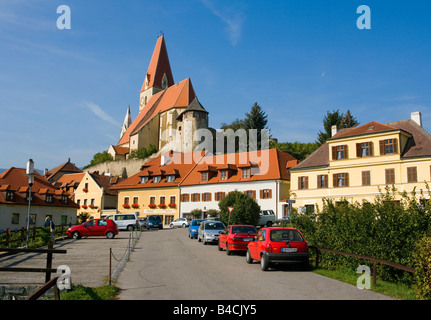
159, 75
127, 122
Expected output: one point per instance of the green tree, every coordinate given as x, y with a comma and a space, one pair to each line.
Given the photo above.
143, 152
246, 210
297, 149
101, 157
338, 119
348, 121
256, 119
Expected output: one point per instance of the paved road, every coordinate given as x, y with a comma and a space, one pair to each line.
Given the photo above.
167, 265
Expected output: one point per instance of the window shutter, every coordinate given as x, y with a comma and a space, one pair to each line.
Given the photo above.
299, 183
306, 183
261, 194
371, 148
326, 182
334, 153
346, 152
270, 194
395, 145
254, 194
346, 179
382, 147
358, 150
334, 180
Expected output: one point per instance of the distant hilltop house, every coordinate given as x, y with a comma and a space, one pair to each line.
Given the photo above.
56, 173
356, 162
169, 113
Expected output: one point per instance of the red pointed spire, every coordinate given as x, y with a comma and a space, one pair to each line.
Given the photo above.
159, 66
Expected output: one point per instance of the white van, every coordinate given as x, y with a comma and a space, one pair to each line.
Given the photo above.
125, 221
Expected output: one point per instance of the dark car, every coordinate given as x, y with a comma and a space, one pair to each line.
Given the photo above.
236, 238
94, 227
278, 245
154, 222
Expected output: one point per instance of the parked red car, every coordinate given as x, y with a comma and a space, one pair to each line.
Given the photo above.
94, 227
236, 238
278, 245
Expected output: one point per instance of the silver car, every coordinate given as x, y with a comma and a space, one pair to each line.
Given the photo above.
209, 231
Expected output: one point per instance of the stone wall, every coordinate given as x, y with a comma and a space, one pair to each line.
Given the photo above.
21, 292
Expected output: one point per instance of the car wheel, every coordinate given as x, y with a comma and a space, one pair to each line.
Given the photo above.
130, 228
248, 257
110, 235
76, 235
219, 248
228, 252
269, 224
184, 225
264, 263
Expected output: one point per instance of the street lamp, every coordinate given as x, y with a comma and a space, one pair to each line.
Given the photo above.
30, 174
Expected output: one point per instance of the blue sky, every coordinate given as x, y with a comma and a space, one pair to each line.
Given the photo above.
64, 93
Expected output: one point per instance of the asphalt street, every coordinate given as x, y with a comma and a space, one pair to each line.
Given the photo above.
167, 265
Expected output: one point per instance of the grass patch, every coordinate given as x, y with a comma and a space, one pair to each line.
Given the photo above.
79, 292
394, 290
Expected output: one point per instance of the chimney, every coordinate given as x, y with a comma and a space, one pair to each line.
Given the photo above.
334, 130
162, 161
417, 117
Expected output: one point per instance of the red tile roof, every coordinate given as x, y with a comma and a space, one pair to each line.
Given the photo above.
15, 179
179, 95
159, 65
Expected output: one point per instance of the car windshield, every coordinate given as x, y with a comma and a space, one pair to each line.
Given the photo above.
286, 236
244, 229
196, 222
214, 226
154, 218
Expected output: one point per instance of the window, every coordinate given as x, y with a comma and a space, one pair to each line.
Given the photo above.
366, 178
15, 218
206, 196
9, 195
32, 219
172, 199
92, 202
135, 200
162, 199
246, 173
185, 197
250, 193
223, 175
219, 196
157, 179
204, 176
322, 181
170, 178
126, 200
63, 219
144, 179
341, 180
64, 199
412, 174
390, 176
85, 201
266, 194
388, 146
302, 183
48, 198
339, 152
196, 197
152, 200
364, 149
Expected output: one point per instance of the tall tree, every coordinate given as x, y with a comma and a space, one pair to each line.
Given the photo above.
335, 118
348, 120
256, 119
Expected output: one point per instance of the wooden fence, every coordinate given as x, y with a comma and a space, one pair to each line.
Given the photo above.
374, 260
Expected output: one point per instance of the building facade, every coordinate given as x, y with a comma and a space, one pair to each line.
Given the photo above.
357, 164
262, 175
45, 201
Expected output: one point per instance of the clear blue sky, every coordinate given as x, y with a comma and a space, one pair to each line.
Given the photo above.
64, 93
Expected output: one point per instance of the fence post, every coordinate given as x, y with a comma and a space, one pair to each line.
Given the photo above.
49, 262
374, 273
110, 265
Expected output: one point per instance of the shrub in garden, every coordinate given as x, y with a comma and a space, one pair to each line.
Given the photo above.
246, 210
422, 264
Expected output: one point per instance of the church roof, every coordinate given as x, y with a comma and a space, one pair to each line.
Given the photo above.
179, 95
159, 65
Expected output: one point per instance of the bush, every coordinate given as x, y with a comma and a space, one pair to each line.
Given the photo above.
422, 264
246, 210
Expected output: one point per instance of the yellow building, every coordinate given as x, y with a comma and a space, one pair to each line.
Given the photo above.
355, 162
154, 190
95, 196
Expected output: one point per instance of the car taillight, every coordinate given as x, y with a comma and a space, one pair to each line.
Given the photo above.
268, 247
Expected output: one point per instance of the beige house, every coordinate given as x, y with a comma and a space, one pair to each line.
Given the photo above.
356, 162
95, 196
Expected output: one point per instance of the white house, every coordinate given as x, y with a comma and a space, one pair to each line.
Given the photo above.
263, 175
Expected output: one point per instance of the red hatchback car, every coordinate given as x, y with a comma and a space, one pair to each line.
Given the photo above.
236, 238
94, 227
278, 245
